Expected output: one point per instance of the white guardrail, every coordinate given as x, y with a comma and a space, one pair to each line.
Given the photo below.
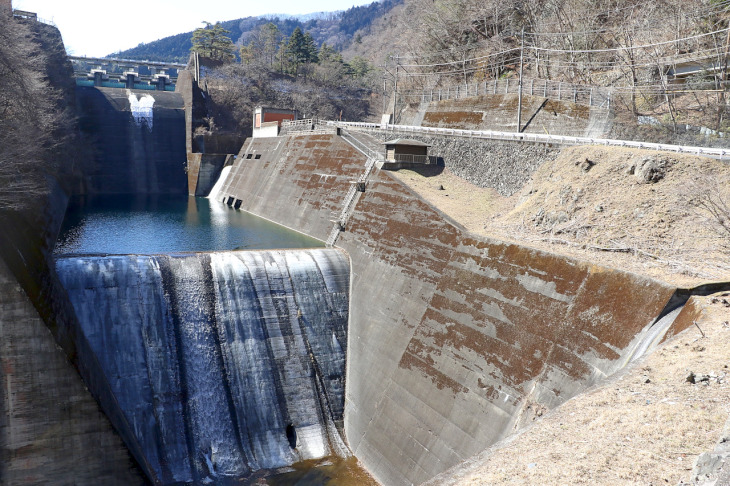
537, 138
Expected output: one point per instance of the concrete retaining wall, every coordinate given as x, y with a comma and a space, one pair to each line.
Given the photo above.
203, 172
51, 429
503, 166
499, 112
455, 341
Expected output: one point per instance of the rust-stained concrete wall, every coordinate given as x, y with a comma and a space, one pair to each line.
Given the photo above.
499, 112
203, 172
454, 340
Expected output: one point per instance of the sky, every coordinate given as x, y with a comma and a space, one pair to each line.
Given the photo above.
97, 28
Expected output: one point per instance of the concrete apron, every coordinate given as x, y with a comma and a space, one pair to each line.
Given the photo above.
455, 341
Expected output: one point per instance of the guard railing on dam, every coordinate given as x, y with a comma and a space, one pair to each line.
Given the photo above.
536, 138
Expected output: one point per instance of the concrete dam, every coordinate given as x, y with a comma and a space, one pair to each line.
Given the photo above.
137, 140
412, 346
455, 341
219, 364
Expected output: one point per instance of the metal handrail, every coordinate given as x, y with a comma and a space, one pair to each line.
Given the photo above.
539, 138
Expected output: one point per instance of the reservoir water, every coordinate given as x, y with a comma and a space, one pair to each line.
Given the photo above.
168, 224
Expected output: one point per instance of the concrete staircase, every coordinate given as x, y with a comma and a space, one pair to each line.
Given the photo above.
369, 147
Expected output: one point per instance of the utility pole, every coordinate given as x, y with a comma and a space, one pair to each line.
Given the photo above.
395, 89
723, 79
519, 87
385, 70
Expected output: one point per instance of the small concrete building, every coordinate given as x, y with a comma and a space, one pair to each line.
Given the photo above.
406, 150
267, 121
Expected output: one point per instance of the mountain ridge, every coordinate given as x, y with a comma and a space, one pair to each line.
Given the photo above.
337, 29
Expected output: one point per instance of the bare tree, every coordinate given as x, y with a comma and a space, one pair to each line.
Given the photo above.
30, 116
711, 201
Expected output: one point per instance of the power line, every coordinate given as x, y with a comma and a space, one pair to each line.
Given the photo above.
691, 15
625, 48
567, 51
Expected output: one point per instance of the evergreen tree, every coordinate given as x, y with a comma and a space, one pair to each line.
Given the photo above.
301, 49
295, 49
212, 41
310, 49
247, 53
331, 68
359, 67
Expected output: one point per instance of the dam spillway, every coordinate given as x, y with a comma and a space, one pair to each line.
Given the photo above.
454, 340
221, 363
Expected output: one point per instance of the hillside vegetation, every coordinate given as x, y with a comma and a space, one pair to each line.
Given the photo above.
273, 71
36, 111
629, 48
336, 29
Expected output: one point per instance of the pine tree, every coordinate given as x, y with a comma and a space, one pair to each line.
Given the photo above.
295, 49
310, 49
301, 49
212, 41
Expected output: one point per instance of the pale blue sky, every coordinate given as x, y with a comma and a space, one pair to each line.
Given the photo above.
101, 27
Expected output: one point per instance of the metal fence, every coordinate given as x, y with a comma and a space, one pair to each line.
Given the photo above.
592, 96
303, 124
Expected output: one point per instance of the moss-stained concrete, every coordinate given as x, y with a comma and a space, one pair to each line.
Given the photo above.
454, 339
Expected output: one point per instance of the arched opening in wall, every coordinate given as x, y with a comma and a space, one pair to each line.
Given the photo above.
291, 436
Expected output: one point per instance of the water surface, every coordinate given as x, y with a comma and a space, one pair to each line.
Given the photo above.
330, 471
168, 224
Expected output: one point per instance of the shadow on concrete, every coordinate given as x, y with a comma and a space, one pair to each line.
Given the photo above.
426, 170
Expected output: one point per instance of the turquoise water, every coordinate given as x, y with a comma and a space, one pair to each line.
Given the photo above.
165, 224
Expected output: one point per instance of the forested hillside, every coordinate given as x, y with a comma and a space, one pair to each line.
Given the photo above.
631, 48
336, 29
661, 67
